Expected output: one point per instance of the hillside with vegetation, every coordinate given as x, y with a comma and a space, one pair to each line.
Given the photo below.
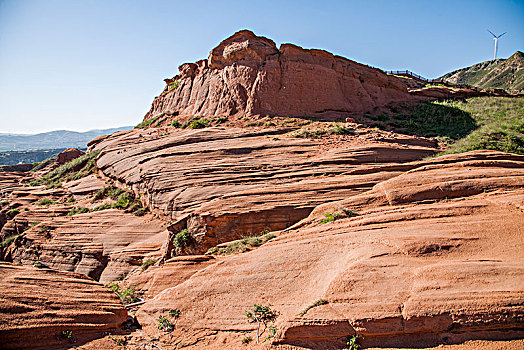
507, 74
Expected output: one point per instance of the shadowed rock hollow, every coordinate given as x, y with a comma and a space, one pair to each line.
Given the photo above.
248, 75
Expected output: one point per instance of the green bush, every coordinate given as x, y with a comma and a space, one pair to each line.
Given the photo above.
182, 239
77, 210
352, 342
127, 295
198, 123
335, 215
45, 202
123, 201
262, 315
247, 339
102, 207
146, 263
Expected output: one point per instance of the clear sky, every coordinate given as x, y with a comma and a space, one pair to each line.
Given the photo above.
80, 64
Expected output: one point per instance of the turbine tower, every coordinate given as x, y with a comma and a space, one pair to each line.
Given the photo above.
496, 38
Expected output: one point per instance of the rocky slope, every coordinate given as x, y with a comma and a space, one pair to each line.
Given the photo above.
248, 75
43, 308
507, 74
429, 256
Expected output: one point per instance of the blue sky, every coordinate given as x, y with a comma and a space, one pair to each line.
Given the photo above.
81, 65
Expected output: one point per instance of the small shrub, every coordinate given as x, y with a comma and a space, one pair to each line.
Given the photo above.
44, 229
77, 210
123, 201
212, 250
182, 239
45, 202
7, 242
39, 264
127, 295
335, 215
247, 339
71, 200
261, 315
13, 212
102, 207
175, 313
66, 335
341, 130
175, 124
242, 245
352, 342
146, 263
118, 341
315, 134
198, 123
164, 324
315, 304
73, 170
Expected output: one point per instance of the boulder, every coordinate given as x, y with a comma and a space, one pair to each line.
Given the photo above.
68, 155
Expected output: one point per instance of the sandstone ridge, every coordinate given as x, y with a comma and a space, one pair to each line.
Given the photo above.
248, 75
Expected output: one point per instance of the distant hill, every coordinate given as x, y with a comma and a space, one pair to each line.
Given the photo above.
507, 74
58, 139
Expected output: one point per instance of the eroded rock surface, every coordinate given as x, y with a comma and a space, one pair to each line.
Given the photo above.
248, 75
39, 304
223, 184
105, 245
430, 256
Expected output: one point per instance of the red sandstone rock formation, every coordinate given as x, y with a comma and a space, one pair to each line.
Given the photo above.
431, 256
68, 155
38, 304
248, 75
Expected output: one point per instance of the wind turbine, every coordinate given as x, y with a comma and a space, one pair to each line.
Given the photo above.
496, 38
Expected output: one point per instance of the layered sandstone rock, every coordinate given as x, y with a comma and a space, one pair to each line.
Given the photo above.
248, 75
39, 307
430, 256
223, 184
104, 245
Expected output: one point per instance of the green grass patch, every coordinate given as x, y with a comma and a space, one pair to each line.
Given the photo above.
495, 123
242, 245
500, 123
45, 202
77, 210
73, 170
335, 215
315, 304
7, 242
146, 263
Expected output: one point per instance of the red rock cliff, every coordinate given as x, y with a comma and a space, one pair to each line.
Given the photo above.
248, 75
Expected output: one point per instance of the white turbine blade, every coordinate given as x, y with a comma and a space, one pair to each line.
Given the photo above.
491, 33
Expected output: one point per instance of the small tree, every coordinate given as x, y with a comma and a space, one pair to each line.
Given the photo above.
261, 315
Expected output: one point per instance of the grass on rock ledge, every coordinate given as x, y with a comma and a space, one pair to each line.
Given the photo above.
243, 245
495, 123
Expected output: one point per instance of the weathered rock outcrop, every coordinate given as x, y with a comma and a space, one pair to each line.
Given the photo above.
430, 256
223, 184
39, 307
68, 155
248, 75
